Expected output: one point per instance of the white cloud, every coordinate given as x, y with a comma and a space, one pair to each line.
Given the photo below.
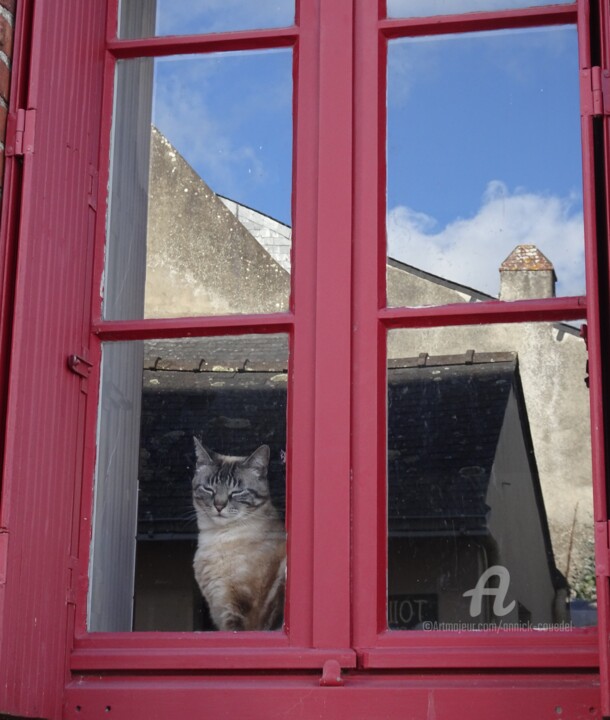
470, 251
406, 69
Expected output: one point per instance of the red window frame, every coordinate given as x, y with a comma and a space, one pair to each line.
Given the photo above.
318, 323
317, 622
337, 326
379, 648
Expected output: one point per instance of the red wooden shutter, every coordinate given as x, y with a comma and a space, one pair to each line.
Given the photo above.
15, 90
46, 398
596, 151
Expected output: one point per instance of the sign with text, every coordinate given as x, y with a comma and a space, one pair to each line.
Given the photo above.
409, 612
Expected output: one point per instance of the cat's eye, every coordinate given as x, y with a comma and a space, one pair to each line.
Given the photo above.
203, 490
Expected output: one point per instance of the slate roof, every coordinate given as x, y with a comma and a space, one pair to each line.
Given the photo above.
229, 391
444, 420
234, 353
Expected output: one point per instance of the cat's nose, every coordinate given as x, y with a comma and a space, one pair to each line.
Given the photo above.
220, 505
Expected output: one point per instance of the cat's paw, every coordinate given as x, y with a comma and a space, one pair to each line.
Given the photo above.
233, 622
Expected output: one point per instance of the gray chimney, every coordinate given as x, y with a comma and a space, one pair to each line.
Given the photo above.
527, 274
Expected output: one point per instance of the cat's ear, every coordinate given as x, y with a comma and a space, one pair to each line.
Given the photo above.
259, 458
203, 457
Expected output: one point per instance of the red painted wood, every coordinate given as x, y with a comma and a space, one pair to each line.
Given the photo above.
331, 537
192, 327
415, 649
112, 20
313, 471
476, 21
45, 405
217, 42
368, 345
363, 697
8, 257
301, 405
597, 332
127, 641
336, 418
10, 212
602, 492
549, 309
157, 656
491, 650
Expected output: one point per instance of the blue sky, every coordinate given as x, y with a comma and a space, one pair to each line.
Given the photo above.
483, 136
484, 153
422, 8
230, 116
469, 109
178, 17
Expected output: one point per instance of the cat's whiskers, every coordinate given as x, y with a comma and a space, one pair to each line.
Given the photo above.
187, 516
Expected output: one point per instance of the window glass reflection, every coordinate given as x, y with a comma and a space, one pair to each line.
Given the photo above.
145, 18
191, 447
200, 193
484, 168
489, 478
427, 8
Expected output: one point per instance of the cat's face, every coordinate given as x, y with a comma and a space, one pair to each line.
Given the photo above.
227, 488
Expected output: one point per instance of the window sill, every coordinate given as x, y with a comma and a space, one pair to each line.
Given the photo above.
150, 651
480, 650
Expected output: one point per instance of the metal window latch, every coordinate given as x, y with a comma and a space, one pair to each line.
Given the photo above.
80, 366
331, 674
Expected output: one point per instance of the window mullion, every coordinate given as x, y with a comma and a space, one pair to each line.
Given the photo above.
369, 336
331, 501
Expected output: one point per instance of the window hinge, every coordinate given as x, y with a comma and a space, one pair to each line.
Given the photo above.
20, 130
3, 554
602, 548
595, 92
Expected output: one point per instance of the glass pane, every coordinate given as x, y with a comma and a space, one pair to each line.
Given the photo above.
190, 490
489, 479
427, 8
484, 168
145, 18
201, 184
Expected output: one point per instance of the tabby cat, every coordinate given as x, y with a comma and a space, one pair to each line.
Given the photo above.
240, 562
